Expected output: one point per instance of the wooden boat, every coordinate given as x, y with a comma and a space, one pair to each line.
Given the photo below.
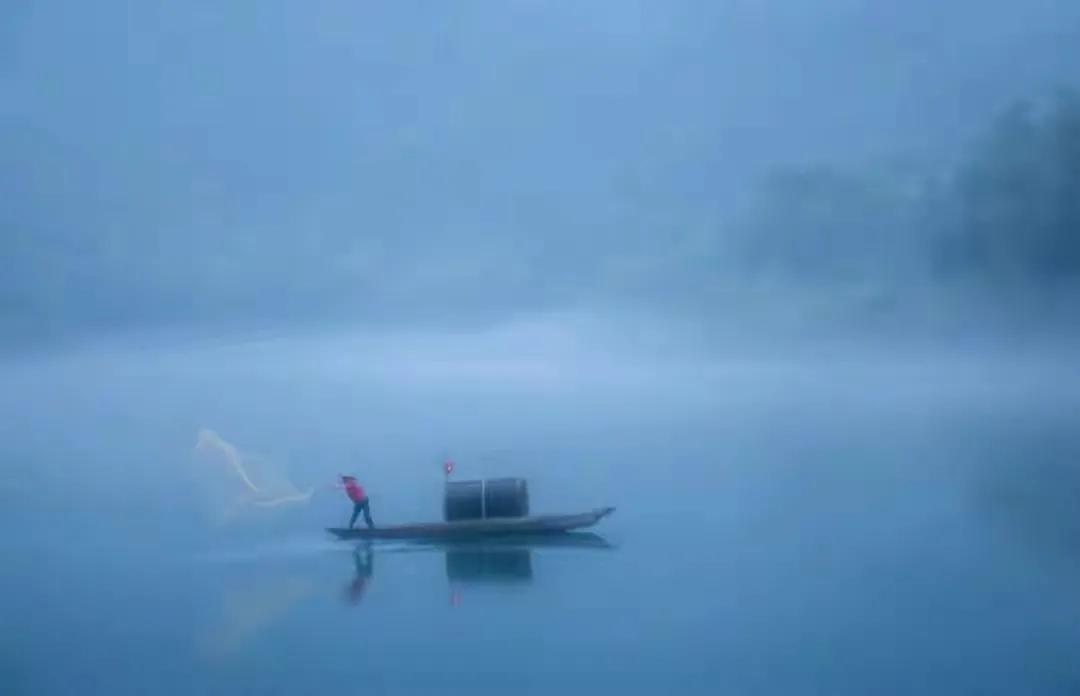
472, 529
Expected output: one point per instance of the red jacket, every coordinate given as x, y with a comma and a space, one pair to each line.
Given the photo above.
355, 491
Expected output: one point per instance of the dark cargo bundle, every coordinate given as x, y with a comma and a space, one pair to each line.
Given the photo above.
463, 501
508, 497
481, 500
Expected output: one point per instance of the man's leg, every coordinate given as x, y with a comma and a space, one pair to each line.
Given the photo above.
355, 514
367, 513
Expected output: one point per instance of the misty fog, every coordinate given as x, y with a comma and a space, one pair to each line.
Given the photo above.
459, 166
792, 285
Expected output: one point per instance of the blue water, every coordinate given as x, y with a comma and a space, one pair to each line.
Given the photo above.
812, 531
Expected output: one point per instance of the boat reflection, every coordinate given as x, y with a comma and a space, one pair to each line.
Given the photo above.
495, 561
489, 566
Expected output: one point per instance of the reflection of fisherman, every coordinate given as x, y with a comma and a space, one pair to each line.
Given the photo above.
365, 568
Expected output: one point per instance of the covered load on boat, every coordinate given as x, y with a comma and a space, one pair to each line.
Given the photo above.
485, 499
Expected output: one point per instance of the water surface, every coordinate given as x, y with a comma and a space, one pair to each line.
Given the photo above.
800, 528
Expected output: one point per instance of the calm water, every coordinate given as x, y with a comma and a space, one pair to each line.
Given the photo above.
781, 530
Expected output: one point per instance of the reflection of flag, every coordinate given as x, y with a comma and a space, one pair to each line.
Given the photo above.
448, 466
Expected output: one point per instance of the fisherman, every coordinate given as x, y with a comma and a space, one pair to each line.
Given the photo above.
359, 498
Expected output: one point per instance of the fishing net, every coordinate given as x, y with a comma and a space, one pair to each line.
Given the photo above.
236, 482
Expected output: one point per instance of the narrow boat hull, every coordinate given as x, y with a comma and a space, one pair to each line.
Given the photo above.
471, 529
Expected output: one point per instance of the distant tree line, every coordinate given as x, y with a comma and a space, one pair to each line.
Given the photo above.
1004, 216
1008, 214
